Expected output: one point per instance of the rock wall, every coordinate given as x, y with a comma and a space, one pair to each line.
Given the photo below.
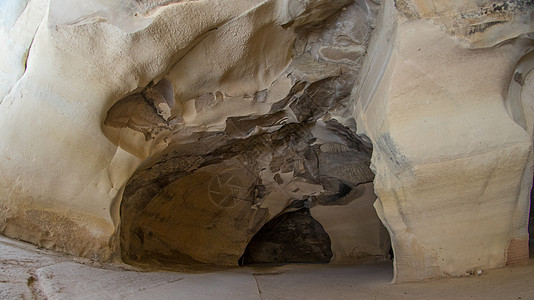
239, 154
174, 131
453, 169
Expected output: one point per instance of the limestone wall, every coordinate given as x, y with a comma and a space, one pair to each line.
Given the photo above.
175, 130
453, 169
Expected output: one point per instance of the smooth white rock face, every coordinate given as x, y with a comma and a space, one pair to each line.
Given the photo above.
108, 88
449, 160
356, 233
19, 21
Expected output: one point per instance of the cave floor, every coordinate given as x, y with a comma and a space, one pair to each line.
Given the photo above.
30, 273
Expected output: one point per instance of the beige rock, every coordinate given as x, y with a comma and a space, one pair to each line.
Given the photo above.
110, 85
476, 24
20, 20
449, 160
357, 234
173, 209
71, 181
175, 130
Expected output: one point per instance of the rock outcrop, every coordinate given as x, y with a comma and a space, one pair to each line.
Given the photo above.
177, 132
453, 169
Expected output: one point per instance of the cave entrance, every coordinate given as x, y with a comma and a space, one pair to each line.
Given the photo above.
292, 237
348, 233
286, 180
271, 199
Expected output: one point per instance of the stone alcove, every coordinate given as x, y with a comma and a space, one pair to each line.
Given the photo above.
230, 202
293, 237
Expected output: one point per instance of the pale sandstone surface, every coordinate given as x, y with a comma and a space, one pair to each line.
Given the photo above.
449, 160
19, 22
243, 151
62, 277
351, 240
475, 24
172, 132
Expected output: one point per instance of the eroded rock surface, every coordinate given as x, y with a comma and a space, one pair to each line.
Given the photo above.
477, 24
453, 169
186, 88
174, 131
236, 158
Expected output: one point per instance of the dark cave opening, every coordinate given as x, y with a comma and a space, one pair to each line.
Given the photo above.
292, 237
171, 214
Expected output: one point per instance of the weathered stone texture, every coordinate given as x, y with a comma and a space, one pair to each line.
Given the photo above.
452, 168
174, 131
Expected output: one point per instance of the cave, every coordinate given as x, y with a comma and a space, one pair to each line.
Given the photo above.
292, 237
230, 201
220, 195
187, 134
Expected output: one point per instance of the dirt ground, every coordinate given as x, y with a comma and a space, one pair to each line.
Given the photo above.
30, 273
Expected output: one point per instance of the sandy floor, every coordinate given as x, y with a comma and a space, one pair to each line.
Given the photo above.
27, 272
